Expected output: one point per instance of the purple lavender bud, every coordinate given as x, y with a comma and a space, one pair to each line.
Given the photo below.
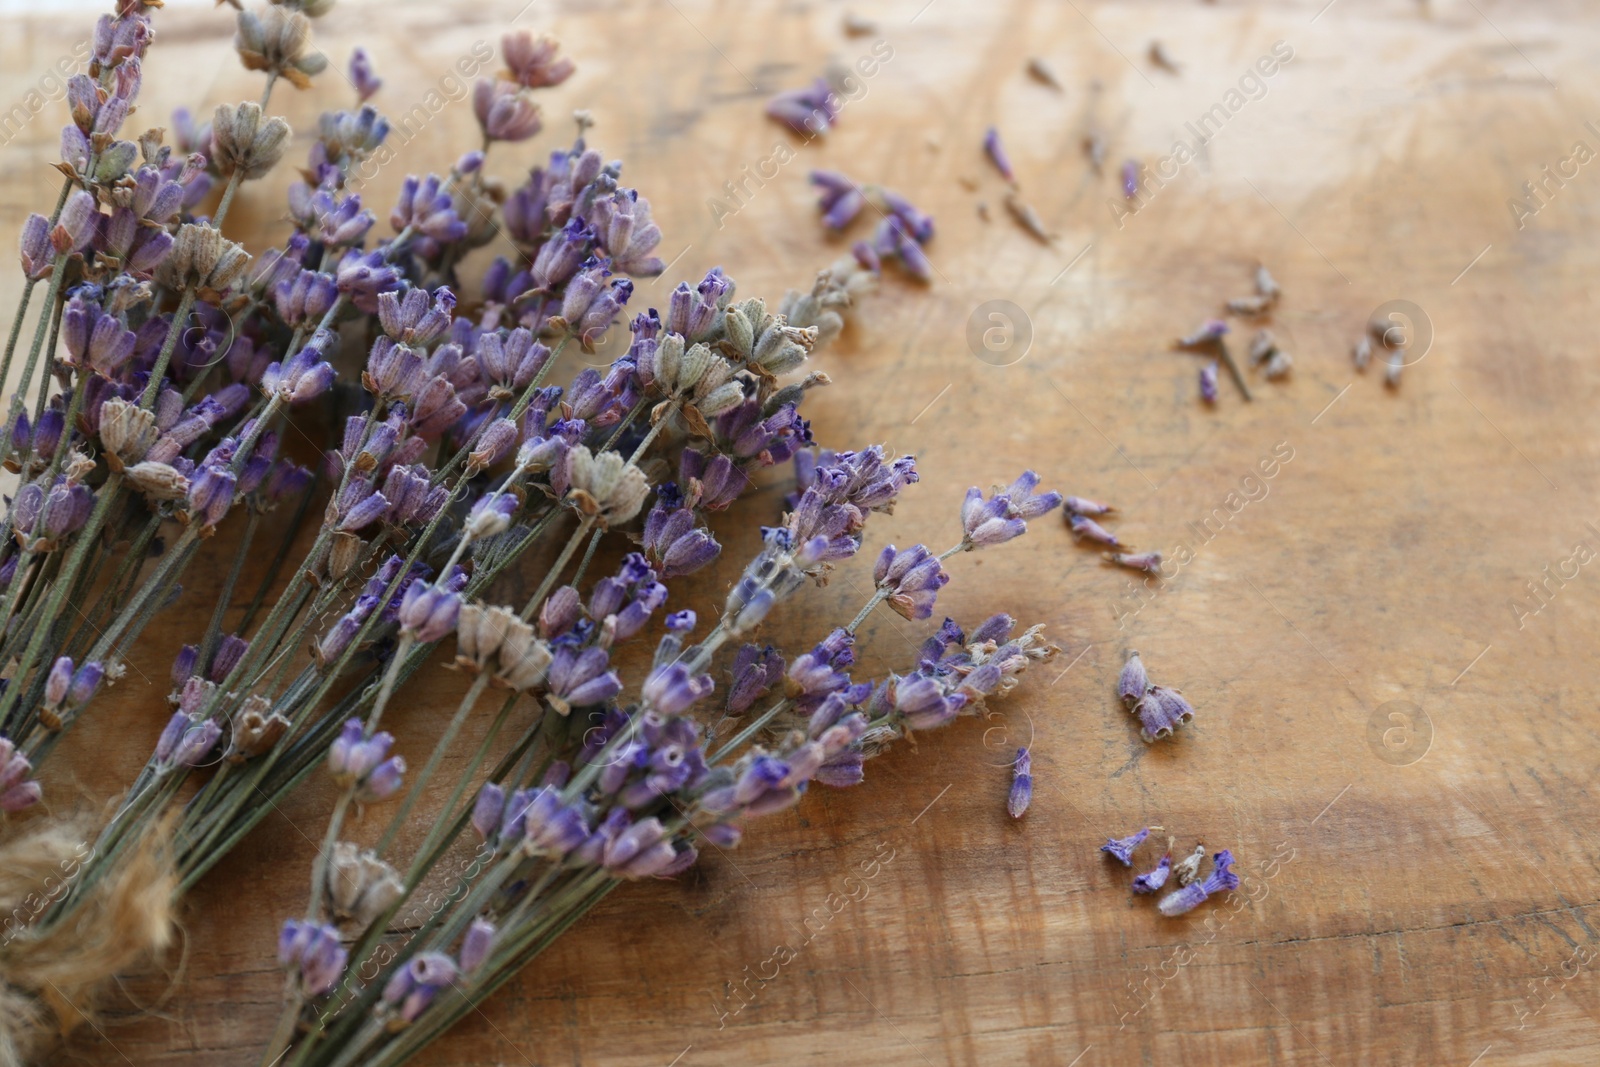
1210, 332
1133, 681
488, 810
550, 828
1220, 880
394, 372
314, 951
494, 444
85, 680
1161, 711
809, 111
1122, 847
230, 650
504, 111
55, 686
1085, 528
1023, 503
75, 227
755, 670
672, 690
680, 622
52, 424
384, 781
475, 945
429, 612
210, 495
66, 509
1021, 785
912, 579
985, 522
362, 276
922, 703
1154, 879
562, 255
1208, 382
842, 200
1130, 179
304, 376
436, 409
997, 155
38, 257
580, 679
16, 791
183, 664
414, 986
560, 612
425, 208
362, 76
196, 743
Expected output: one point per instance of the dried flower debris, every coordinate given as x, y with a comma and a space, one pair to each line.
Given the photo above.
1021, 785
1192, 891
1041, 72
902, 229
1160, 709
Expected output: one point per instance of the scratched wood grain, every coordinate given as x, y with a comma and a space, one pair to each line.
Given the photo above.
1397, 909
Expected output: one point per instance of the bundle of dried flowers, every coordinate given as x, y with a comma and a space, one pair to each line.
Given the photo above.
450, 462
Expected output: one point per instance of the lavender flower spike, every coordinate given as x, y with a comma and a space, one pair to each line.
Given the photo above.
362, 75
1021, 785
1122, 847
1220, 880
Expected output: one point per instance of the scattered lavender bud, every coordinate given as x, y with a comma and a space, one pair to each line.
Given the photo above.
1278, 365
1152, 880
1191, 896
1188, 868
1078, 505
1021, 785
1122, 847
1208, 382
1161, 712
1085, 528
1250, 305
1133, 682
842, 199
1130, 179
1148, 562
857, 26
1392, 371
1028, 218
1209, 332
1262, 346
809, 111
1361, 353
997, 155
1266, 284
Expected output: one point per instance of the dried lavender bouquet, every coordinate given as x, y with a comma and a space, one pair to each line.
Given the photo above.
453, 460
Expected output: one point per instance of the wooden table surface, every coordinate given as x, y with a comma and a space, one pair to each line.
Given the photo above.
1418, 890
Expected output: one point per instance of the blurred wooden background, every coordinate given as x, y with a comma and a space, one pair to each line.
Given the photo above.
1426, 900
